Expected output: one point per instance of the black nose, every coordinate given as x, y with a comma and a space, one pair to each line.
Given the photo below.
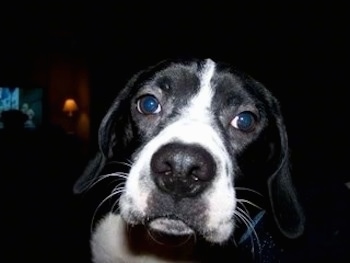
182, 169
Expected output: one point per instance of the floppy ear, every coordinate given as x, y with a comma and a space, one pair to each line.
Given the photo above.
108, 137
286, 209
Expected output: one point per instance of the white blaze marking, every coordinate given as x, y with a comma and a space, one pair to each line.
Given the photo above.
200, 104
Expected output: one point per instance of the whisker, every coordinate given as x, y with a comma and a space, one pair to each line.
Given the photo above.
245, 221
244, 216
247, 189
128, 163
119, 189
241, 201
105, 176
243, 205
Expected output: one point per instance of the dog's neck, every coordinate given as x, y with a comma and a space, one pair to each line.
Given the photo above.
114, 241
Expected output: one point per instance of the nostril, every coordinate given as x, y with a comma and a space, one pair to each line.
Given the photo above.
182, 168
194, 173
199, 174
163, 166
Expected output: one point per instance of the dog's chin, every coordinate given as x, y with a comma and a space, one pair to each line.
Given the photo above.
171, 227
170, 231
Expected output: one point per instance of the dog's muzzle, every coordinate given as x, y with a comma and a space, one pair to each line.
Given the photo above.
182, 170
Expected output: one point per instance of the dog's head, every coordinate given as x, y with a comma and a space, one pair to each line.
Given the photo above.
194, 134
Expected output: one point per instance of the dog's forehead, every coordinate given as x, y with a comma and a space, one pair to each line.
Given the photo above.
208, 79
230, 89
180, 79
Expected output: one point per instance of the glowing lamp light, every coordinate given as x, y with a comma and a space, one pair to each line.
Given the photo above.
70, 106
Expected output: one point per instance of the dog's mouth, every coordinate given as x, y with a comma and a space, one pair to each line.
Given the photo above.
169, 231
170, 226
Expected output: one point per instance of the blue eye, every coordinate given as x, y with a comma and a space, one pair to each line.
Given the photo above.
148, 104
245, 121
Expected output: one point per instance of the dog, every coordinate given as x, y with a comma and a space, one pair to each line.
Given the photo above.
196, 154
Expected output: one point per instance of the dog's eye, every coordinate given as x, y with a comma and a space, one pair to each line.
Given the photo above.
148, 104
245, 121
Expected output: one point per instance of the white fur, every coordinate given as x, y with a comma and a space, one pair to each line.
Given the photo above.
192, 127
110, 244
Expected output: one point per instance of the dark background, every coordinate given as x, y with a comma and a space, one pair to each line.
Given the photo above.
298, 50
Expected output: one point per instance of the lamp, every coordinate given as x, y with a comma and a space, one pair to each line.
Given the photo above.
70, 106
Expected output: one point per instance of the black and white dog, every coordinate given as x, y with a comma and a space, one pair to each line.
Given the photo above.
200, 166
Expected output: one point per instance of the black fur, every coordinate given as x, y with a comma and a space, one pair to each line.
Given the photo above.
263, 155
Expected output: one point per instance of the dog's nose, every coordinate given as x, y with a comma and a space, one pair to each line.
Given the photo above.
182, 169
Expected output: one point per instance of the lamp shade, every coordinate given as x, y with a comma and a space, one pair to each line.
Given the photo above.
70, 106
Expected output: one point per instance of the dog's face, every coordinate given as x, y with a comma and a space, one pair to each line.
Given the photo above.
191, 133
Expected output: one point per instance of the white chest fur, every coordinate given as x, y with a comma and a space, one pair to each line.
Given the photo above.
114, 242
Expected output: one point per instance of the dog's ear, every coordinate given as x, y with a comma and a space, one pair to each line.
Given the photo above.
90, 173
285, 206
111, 129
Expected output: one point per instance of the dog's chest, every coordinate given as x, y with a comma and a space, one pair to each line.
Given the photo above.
114, 242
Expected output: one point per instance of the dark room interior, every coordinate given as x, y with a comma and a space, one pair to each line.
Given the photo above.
54, 51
